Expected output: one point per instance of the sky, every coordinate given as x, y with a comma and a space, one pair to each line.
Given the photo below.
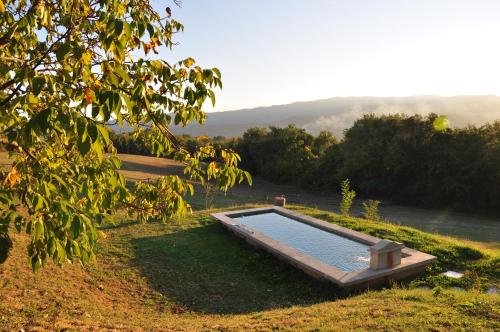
281, 51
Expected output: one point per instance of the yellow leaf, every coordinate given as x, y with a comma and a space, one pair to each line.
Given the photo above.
155, 41
441, 123
189, 62
86, 57
2, 7
13, 177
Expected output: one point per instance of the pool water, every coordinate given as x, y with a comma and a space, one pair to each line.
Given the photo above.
343, 253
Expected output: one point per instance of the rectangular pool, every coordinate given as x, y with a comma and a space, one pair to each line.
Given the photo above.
321, 249
330, 248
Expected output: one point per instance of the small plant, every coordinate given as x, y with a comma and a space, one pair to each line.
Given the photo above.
209, 195
347, 197
436, 291
370, 208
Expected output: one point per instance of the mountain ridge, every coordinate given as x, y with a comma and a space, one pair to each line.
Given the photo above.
338, 113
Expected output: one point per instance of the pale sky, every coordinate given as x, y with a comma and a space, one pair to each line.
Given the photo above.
282, 51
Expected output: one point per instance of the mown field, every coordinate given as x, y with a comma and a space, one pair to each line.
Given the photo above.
193, 275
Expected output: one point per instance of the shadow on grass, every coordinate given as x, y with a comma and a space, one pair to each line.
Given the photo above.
156, 170
118, 225
209, 270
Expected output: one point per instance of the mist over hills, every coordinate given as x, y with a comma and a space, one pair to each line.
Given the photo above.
337, 114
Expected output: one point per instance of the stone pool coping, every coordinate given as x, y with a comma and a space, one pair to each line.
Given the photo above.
412, 261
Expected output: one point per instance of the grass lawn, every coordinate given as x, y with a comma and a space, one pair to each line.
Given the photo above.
195, 275
485, 229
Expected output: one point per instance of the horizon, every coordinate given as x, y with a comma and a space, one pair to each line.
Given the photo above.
352, 97
280, 52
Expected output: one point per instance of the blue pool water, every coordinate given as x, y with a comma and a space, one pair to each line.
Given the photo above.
338, 251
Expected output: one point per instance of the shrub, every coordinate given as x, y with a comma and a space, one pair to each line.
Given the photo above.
347, 197
370, 208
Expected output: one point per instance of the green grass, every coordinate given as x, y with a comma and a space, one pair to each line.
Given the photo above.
481, 265
478, 228
195, 275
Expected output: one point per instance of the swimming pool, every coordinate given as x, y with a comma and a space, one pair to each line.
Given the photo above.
321, 249
330, 248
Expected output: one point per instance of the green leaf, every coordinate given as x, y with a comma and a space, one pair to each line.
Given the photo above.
248, 177
151, 30
97, 147
41, 120
93, 132
212, 97
35, 263
96, 109
117, 107
129, 103
37, 84
38, 234
84, 146
141, 28
217, 72
122, 73
61, 253
75, 227
37, 203
75, 248
82, 129
118, 28
87, 191
51, 246
115, 162
104, 133
63, 52
157, 64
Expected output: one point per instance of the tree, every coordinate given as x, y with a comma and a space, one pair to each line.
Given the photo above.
67, 69
283, 155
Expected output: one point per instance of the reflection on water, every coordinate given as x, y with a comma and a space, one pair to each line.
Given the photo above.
343, 253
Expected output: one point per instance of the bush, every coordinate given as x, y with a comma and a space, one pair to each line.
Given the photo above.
347, 197
370, 208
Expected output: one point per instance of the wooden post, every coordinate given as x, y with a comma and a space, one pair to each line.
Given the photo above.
280, 200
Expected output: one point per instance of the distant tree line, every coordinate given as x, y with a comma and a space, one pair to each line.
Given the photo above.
128, 143
398, 157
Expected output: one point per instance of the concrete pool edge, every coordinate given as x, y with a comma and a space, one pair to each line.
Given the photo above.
412, 262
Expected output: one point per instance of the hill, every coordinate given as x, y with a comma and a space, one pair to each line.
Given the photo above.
193, 275
337, 114
196, 276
